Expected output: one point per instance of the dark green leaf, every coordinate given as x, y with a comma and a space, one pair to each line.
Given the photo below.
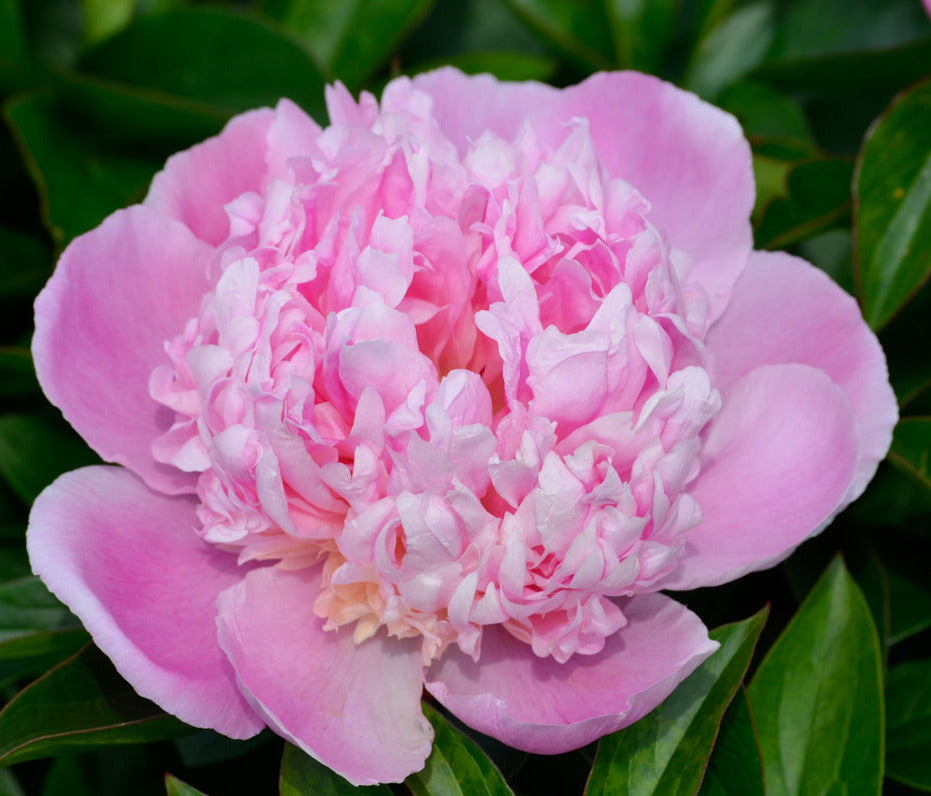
666, 751
893, 206
33, 622
503, 65
817, 198
911, 449
817, 696
34, 451
735, 766
732, 50
80, 181
456, 766
105, 17
641, 30
14, 52
80, 704
908, 723
352, 38
832, 252
839, 45
175, 787
302, 775
765, 112
25, 264
576, 28
226, 61
8, 784
17, 374
905, 558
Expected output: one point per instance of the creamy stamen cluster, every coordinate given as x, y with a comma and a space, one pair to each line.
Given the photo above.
468, 382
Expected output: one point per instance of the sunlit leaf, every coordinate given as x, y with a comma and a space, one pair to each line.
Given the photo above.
456, 766
817, 696
892, 209
667, 750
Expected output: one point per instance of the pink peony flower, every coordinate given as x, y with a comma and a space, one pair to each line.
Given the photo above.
443, 395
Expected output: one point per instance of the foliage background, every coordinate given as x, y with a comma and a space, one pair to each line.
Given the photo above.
833, 693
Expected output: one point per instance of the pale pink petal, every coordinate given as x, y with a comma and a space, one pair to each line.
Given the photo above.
785, 310
118, 293
130, 565
542, 706
689, 159
777, 463
354, 707
196, 184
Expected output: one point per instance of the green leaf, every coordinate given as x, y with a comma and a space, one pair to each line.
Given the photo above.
17, 374
733, 49
503, 65
765, 112
104, 17
666, 751
578, 29
228, 62
817, 696
456, 766
301, 775
892, 206
352, 38
641, 30
33, 622
736, 765
817, 199
80, 704
911, 450
80, 181
8, 784
908, 728
35, 450
835, 44
175, 787
14, 50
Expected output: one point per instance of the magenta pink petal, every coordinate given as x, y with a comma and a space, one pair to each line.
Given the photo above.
784, 310
129, 564
542, 706
118, 293
354, 707
777, 463
196, 184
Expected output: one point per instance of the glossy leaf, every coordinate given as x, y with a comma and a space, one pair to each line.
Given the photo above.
352, 38
641, 30
35, 450
456, 766
80, 181
578, 29
33, 622
80, 704
817, 696
175, 787
227, 61
733, 49
893, 206
817, 199
302, 775
735, 765
908, 723
667, 750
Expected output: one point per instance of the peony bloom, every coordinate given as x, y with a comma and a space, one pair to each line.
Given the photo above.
443, 395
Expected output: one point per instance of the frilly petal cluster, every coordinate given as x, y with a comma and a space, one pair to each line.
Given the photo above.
443, 395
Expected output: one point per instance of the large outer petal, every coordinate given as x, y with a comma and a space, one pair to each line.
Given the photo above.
688, 158
195, 185
118, 293
129, 564
776, 465
785, 310
542, 706
354, 707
